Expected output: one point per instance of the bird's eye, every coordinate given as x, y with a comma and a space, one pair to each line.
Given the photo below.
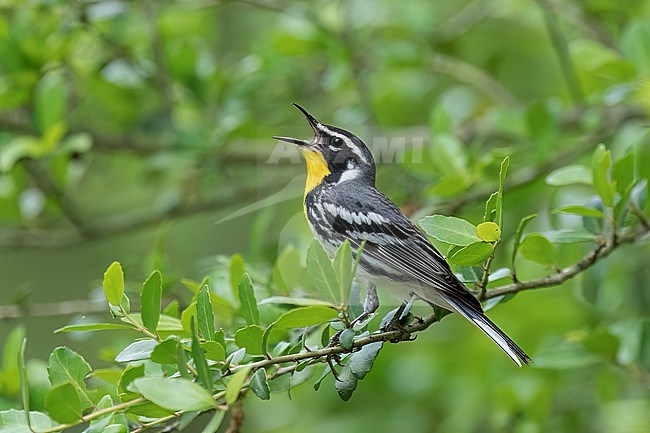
336, 142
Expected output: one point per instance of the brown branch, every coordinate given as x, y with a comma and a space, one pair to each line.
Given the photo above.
569, 272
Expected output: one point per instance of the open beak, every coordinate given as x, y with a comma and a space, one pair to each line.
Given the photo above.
312, 122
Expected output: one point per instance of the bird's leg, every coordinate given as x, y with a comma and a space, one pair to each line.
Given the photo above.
370, 305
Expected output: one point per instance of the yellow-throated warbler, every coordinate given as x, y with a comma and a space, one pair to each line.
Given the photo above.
341, 202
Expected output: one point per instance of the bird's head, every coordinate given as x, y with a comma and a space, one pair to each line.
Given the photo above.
333, 154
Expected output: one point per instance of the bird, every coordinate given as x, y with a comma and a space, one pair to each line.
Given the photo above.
342, 203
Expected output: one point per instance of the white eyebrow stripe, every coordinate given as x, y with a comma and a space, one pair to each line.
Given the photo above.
351, 145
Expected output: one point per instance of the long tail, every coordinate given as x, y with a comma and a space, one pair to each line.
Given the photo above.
478, 318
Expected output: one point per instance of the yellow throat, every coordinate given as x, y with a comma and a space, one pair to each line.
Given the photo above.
317, 169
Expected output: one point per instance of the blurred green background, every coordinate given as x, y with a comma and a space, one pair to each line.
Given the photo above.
140, 132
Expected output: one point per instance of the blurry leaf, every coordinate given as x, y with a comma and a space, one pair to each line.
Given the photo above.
236, 272
24, 381
174, 394
346, 384
18, 148
98, 425
173, 309
321, 272
566, 355
540, 122
15, 421
236, 357
569, 175
491, 207
130, 373
503, 170
181, 362
63, 404
440, 120
601, 342
166, 324
214, 350
346, 339
306, 316
115, 428
220, 337
488, 231
471, 254
343, 265
580, 210
602, 163
594, 225
639, 194
248, 303
204, 314
215, 422
566, 236
87, 327
200, 363
150, 300
250, 337
449, 156
449, 186
538, 249
137, 351
450, 230
113, 284
301, 302
361, 362
287, 270
236, 383
50, 97
165, 352
623, 172
259, 385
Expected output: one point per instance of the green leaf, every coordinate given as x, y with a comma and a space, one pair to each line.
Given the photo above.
488, 231
520, 232
602, 163
165, 352
130, 373
623, 172
63, 404
567, 236
11, 350
181, 362
174, 394
639, 194
259, 385
24, 381
204, 314
472, 254
214, 350
220, 337
538, 249
65, 365
250, 337
503, 170
236, 273
361, 362
580, 210
98, 425
321, 271
346, 384
248, 303
15, 421
215, 422
113, 284
346, 339
287, 271
137, 351
343, 269
569, 175
50, 97
306, 316
201, 364
491, 207
300, 302
450, 230
236, 383
151, 301
87, 327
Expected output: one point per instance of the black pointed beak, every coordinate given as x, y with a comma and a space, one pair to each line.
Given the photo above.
311, 119
312, 122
